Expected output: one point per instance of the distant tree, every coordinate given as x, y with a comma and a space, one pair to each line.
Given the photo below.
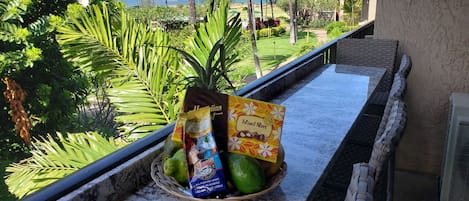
252, 30
192, 11
293, 21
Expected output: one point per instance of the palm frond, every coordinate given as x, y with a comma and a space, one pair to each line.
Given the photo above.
142, 70
54, 159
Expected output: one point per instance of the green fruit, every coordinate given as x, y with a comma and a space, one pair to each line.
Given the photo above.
270, 169
170, 147
176, 167
246, 173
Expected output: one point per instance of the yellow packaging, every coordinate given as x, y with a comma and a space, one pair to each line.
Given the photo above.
254, 127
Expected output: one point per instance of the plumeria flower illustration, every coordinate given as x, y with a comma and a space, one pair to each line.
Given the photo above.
278, 113
234, 143
249, 108
265, 150
277, 133
232, 115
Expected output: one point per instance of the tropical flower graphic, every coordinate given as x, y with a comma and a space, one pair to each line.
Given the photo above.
277, 133
278, 113
265, 150
249, 108
232, 115
234, 143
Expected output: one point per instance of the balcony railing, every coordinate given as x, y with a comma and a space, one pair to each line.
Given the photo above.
259, 89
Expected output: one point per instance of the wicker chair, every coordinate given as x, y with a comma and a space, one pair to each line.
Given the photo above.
379, 99
383, 149
397, 92
370, 126
405, 66
369, 52
361, 187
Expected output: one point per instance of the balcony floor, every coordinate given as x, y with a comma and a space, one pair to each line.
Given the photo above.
411, 186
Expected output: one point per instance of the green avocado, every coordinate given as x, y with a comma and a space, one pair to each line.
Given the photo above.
246, 173
176, 167
170, 147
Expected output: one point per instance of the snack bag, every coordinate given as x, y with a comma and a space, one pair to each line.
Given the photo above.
204, 165
241, 125
254, 128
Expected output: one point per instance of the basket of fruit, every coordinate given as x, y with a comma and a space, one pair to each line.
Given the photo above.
247, 165
250, 162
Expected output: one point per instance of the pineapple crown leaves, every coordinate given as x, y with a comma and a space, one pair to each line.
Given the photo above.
212, 50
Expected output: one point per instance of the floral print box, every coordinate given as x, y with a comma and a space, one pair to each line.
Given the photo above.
241, 125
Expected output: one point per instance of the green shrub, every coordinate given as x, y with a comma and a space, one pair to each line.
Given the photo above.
336, 32
264, 33
306, 48
321, 23
333, 25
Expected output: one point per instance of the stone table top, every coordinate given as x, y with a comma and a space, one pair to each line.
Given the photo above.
321, 109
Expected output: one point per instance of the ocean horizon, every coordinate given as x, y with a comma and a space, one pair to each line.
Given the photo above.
131, 3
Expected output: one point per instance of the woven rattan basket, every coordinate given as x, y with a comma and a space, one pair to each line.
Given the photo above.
171, 186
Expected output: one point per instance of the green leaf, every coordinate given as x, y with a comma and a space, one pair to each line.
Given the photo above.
54, 159
140, 67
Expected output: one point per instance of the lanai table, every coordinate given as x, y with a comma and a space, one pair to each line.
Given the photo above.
321, 109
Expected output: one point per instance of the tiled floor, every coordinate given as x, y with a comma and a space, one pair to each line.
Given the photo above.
415, 187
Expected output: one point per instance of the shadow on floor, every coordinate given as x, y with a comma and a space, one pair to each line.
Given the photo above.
409, 186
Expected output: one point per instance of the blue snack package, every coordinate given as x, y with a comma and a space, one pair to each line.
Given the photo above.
204, 165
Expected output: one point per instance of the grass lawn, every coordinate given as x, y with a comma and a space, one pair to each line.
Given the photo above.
4, 193
272, 52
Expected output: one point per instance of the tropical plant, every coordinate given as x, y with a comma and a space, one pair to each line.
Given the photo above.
212, 51
54, 159
141, 70
41, 85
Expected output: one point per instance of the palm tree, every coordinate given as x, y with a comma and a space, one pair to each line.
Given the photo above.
193, 14
143, 73
272, 8
293, 21
252, 29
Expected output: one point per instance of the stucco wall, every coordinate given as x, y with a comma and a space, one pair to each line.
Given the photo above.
435, 33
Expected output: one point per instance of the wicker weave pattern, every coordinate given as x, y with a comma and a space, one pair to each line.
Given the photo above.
385, 144
397, 92
405, 66
369, 52
361, 184
398, 87
379, 155
171, 186
396, 123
